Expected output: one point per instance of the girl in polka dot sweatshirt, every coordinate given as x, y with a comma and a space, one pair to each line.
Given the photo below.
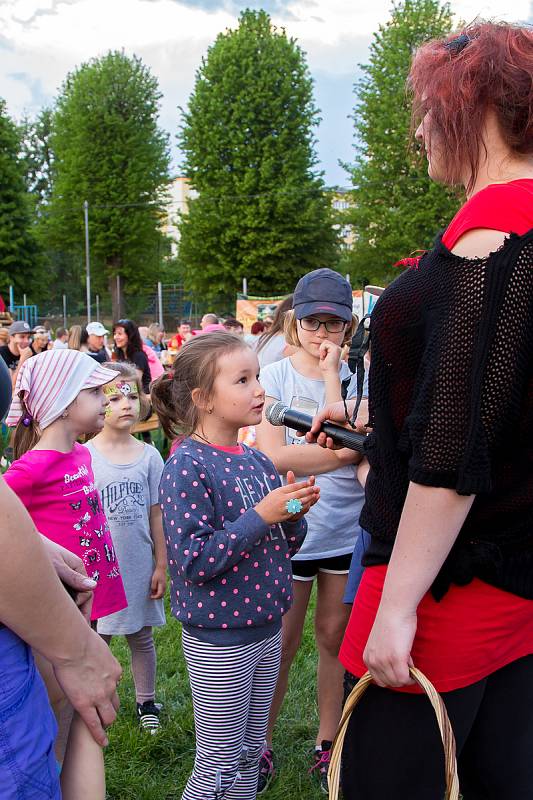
230, 536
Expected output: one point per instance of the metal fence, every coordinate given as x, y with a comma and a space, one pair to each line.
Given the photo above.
165, 303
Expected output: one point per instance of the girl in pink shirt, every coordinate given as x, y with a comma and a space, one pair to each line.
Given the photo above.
59, 397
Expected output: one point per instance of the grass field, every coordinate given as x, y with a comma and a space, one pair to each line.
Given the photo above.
140, 767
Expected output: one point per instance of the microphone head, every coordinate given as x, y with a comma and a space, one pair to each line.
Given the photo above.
276, 412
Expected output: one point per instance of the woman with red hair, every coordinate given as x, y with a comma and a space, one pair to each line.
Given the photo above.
448, 578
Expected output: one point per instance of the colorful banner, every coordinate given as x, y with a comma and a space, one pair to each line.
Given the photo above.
250, 309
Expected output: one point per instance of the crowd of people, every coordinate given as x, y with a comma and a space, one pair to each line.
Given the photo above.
420, 548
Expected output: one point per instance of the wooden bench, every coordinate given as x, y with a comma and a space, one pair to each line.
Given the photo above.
150, 424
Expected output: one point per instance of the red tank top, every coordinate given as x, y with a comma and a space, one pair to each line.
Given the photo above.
475, 629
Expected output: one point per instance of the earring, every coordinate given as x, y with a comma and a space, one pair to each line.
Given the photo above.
64, 415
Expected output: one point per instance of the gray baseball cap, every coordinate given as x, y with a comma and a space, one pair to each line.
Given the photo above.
19, 327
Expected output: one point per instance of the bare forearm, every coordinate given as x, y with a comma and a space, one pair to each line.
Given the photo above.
34, 604
332, 385
158, 537
430, 523
309, 459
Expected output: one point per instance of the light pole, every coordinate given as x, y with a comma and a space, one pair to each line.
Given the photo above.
87, 260
160, 303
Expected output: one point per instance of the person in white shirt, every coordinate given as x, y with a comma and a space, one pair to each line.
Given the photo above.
61, 340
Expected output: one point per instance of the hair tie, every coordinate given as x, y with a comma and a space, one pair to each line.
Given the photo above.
27, 419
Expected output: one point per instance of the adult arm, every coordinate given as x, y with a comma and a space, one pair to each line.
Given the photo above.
34, 605
430, 523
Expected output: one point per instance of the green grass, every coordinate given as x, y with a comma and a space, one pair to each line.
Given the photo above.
139, 767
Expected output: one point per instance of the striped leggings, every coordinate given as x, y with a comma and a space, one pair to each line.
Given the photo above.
232, 689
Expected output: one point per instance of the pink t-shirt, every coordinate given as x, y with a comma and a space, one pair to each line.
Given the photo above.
60, 496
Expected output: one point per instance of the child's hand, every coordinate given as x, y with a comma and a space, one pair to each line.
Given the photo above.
330, 356
158, 583
291, 480
273, 507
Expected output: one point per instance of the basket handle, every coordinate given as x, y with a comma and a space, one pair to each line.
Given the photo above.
446, 732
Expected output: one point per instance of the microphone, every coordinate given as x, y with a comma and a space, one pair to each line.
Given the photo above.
280, 414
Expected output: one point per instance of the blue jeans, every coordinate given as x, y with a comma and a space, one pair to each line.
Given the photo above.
28, 769
356, 569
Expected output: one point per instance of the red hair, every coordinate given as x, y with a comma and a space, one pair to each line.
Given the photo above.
485, 66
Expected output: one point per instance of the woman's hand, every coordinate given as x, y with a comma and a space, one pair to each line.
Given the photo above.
330, 356
334, 412
70, 570
273, 507
388, 649
90, 683
158, 583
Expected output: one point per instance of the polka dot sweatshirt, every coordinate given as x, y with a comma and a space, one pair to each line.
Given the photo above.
230, 572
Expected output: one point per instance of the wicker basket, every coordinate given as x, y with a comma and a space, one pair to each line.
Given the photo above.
448, 739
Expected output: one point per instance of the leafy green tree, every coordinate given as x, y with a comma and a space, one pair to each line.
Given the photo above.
109, 150
19, 254
37, 154
248, 144
398, 209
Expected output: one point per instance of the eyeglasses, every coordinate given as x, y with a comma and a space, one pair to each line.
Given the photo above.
331, 325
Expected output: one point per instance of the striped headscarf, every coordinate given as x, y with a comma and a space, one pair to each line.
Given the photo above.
49, 382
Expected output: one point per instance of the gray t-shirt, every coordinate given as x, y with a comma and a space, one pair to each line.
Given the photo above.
332, 524
128, 491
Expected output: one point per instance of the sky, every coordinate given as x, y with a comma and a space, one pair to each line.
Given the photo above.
42, 40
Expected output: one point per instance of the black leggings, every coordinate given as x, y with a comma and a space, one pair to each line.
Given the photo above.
393, 749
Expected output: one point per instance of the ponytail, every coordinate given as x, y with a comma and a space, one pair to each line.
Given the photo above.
27, 434
164, 404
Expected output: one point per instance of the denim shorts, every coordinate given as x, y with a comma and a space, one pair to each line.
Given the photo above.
28, 769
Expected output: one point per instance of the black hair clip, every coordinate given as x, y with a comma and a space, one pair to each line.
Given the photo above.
458, 44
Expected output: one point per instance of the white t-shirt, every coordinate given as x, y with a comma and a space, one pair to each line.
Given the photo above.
332, 524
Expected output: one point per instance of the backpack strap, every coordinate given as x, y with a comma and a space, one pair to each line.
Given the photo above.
356, 363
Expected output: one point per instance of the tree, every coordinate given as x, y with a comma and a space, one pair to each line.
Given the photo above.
397, 207
109, 150
19, 254
247, 138
38, 157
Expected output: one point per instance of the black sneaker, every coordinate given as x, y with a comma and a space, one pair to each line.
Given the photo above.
266, 770
148, 716
321, 766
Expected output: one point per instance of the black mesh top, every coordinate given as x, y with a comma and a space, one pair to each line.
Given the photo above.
451, 405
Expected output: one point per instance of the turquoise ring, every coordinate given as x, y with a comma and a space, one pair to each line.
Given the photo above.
294, 506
